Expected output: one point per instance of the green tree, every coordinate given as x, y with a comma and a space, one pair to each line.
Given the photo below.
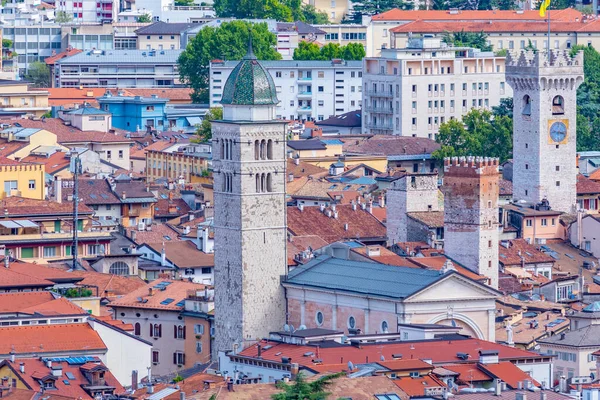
307, 51
372, 7
505, 108
253, 9
588, 100
480, 133
185, 3
331, 51
7, 43
504, 4
38, 74
144, 18
229, 42
478, 40
353, 51
313, 16
204, 131
63, 17
303, 390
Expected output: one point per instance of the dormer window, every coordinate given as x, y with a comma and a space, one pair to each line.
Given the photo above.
49, 384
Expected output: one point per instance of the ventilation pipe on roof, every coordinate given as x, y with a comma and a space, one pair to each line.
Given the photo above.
58, 189
497, 387
22, 368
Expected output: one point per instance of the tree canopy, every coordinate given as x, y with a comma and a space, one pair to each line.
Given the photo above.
144, 18
38, 74
281, 10
204, 131
311, 51
588, 100
63, 17
227, 42
372, 7
480, 133
303, 390
478, 40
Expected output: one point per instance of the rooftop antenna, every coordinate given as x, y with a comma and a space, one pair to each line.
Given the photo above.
76, 170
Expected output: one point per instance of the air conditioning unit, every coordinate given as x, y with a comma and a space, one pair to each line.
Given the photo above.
141, 227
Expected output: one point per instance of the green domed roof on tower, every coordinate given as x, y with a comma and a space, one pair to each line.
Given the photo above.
249, 83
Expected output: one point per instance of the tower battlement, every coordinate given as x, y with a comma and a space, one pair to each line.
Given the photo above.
471, 166
539, 59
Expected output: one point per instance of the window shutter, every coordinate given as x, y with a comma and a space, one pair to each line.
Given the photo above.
174, 358
160, 330
183, 358
175, 331
151, 330
184, 331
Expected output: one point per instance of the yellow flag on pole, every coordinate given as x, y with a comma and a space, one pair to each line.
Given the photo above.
545, 4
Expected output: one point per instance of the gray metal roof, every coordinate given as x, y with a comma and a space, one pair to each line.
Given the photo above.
362, 277
123, 57
25, 132
87, 110
584, 337
297, 64
164, 28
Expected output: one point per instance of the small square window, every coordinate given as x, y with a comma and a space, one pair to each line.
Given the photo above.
557, 183
32, 184
558, 168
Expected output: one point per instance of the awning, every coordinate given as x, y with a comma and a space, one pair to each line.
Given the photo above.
9, 224
194, 120
25, 223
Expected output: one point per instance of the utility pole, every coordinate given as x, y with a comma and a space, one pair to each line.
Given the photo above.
76, 170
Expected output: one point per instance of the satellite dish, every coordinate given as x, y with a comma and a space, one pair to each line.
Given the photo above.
286, 328
301, 327
350, 365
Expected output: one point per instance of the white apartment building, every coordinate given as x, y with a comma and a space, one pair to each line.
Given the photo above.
307, 90
88, 10
412, 91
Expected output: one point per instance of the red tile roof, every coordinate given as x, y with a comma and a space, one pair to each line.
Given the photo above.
56, 162
8, 161
431, 219
311, 221
70, 134
171, 208
11, 279
40, 271
179, 95
41, 339
587, 185
385, 256
67, 53
21, 206
157, 234
437, 262
505, 186
468, 373
507, 372
176, 290
185, 254
60, 306
476, 15
518, 248
36, 369
405, 365
487, 26
417, 387
140, 153
16, 301
439, 351
109, 285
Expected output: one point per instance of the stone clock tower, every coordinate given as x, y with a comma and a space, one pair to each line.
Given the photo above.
249, 198
544, 126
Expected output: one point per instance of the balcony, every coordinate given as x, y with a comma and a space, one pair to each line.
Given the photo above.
380, 110
305, 110
305, 95
372, 125
374, 93
304, 78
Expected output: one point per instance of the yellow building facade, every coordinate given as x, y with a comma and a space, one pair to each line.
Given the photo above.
24, 180
190, 167
16, 96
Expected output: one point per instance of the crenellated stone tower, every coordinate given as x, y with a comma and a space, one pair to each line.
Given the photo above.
250, 220
544, 126
471, 194
410, 193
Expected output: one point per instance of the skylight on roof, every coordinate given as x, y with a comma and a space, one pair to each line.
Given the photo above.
164, 196
66, 382
166, 237
70, 375
93, 196
167, 301
104, 196
181, 303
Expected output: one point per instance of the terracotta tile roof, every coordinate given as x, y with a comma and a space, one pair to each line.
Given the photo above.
179, 95
132, 190
21, 206
341, 197
475, 15
508, 395
54, 163
16, 301
595, 176
70, 134
41, 339
304, 169
437, 262
36, 369
380, 213
507, 372
414, 247
108, 319
175, 290
39, 271
92, 192
431, 219
311, 221
518, 248
63, 54
171, 208
506, 187
60, 306
302, 243
20, 394
389, 145
8, 161
140, 153
158, 234
587, 185
440, 351
415, 387
7, 148
524, 333
385, 256
468, 373
12, 279
185, 254
319, 189
487, 26
109, 285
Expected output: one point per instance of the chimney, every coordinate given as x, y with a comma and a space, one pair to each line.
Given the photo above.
259, 348
49, 363
382, 201
520, 385
290, 177
497, 387
12, 357
322, 207
205, 240
543, 395
134, 379
294, 369
163, 257
58, 189
22, 368
562, 384
301, 207
133, 235
346, 226
123, 195
297, 161
520, 396
370, 206
353, 205
373, 251
150, 291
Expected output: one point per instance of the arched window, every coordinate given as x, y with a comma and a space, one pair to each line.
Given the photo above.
319, 318
263, 183
558, 105
384, 326
257, 183
263, 149
351, 322
119, 268
270, 149
526, 108
224, 183
269, 183
222, 149
256, 150
137, 329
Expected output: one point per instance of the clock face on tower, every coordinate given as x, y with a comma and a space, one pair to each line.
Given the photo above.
558, 131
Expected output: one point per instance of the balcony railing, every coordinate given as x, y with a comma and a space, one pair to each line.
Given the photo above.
379, 93
382, 110
372, 125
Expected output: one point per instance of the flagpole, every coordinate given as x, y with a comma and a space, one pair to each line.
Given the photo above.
548, 35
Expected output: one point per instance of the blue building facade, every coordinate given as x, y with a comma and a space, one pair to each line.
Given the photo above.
134, 113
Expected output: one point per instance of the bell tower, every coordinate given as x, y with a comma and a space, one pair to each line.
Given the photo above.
250, 209
544, 126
